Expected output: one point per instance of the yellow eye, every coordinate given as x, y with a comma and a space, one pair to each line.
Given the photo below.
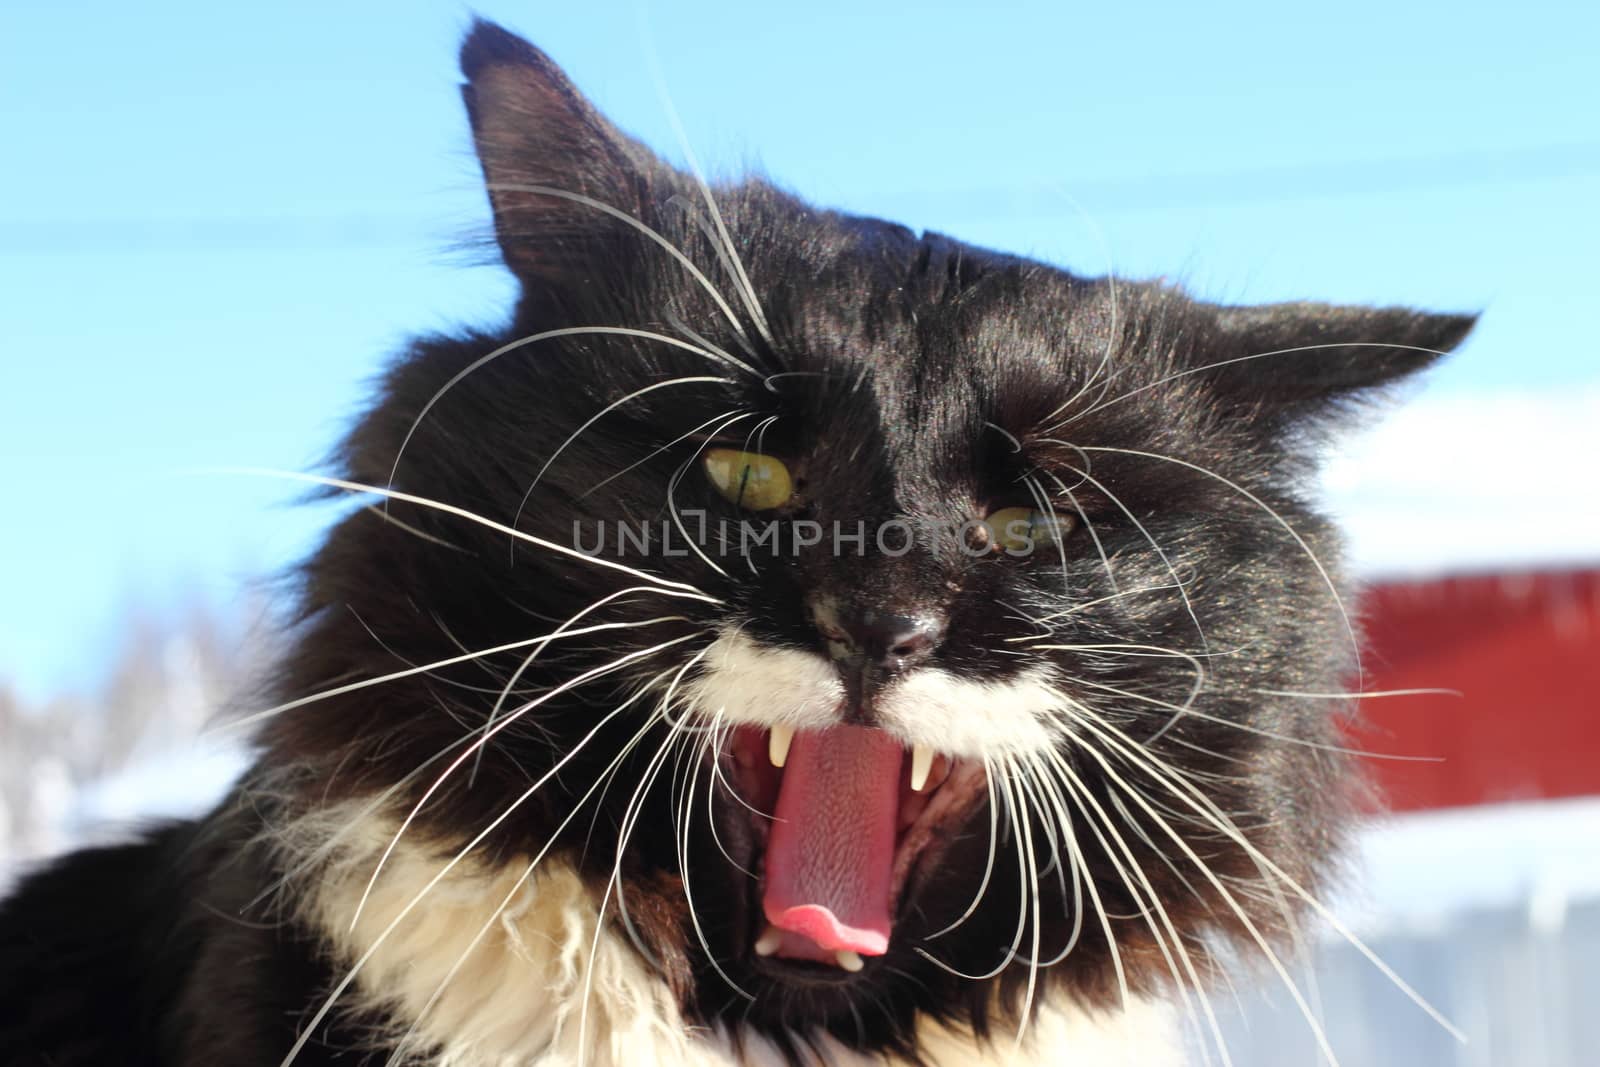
749, 479
1018, 531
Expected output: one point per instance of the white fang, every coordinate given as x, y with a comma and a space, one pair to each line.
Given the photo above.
778, 744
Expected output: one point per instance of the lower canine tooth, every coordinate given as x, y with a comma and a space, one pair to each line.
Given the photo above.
778, 744
850, 961
769, 941
921, 764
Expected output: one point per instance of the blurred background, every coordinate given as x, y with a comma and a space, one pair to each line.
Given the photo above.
217, 221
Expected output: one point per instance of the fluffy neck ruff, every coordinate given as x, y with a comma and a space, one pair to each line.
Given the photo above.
503, 968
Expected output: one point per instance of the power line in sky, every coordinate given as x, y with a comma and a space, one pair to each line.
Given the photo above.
1150, 192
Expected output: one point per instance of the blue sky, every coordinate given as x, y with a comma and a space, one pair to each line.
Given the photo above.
216, 220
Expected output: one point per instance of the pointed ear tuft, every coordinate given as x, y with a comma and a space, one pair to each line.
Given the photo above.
534, 130
1287, 362
489, 43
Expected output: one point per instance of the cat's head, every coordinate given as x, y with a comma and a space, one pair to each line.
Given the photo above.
885, 626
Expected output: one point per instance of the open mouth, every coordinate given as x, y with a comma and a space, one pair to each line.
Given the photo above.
842, 819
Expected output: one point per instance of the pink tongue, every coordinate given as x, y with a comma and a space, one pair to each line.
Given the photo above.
831, 849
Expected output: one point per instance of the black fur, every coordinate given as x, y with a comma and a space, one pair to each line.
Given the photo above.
909, 375
147, 955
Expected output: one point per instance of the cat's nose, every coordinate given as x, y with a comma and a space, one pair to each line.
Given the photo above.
889, 641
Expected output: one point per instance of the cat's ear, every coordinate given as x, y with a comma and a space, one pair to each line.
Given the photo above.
1286, 363
549, 159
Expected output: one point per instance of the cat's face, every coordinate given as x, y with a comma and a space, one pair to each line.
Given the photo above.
927, 621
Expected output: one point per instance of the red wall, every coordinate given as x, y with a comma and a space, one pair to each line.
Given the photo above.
1524, 652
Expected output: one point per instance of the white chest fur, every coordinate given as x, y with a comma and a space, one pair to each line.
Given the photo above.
494, 969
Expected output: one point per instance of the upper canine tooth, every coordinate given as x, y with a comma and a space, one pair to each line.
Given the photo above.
778, 744
921, 764
769, 941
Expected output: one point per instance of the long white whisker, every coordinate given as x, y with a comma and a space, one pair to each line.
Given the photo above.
1084, 605
742, 287
614, 882
688, 898
451, 509
355, 969
758, 432
1031, 882
510, 646
602, 413
577, 807
1088, 525
1111, 281
1368, 695
490, 731
1105, 920
671, 250
329, 846
1007, 796
1222, 890
527, 662
1245, 359
1178, 710
672, 487
730, 262
1183, 591
1197, 800
412, 530
1187, 709
653, 453
524, 342
629, 820
1327, 578
1048, 507
1080, 869
1151, 912
719, 735
676, 322
988, 866
389, 649
688, 891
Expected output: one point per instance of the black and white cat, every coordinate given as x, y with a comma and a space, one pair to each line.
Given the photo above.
791, 636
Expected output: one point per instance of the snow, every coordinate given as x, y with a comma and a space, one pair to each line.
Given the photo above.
1419, 870
1472, 481
179, 783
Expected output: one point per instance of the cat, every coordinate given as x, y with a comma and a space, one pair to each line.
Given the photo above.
790, 639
